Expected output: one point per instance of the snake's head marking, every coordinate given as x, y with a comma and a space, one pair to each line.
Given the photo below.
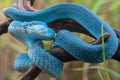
36, 30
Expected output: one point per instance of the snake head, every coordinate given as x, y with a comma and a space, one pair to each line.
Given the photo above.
38, 30
35, 30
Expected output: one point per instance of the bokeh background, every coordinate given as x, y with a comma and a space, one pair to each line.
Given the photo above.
109, 10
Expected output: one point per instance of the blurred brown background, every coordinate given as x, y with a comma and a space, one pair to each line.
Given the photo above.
109, 10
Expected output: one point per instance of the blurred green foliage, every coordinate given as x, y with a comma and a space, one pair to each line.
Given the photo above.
7, 2
109, 10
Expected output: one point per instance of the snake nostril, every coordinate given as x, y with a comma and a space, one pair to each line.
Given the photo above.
24, 27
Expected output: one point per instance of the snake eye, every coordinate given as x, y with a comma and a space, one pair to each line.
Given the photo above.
30, 24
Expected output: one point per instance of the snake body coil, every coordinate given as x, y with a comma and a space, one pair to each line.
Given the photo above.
65, 39
31, 34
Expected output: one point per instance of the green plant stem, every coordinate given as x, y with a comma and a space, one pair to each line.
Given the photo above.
101, 77
104, 59
100, 68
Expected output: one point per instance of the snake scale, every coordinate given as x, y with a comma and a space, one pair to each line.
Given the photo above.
31, 36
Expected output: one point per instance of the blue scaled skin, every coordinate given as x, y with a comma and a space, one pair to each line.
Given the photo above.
65, 39
32, 34
29, 32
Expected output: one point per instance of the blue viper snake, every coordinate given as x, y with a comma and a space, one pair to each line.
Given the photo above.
64, 38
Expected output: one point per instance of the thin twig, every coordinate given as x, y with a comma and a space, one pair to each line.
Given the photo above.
26, 5
33, 73
4, 25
